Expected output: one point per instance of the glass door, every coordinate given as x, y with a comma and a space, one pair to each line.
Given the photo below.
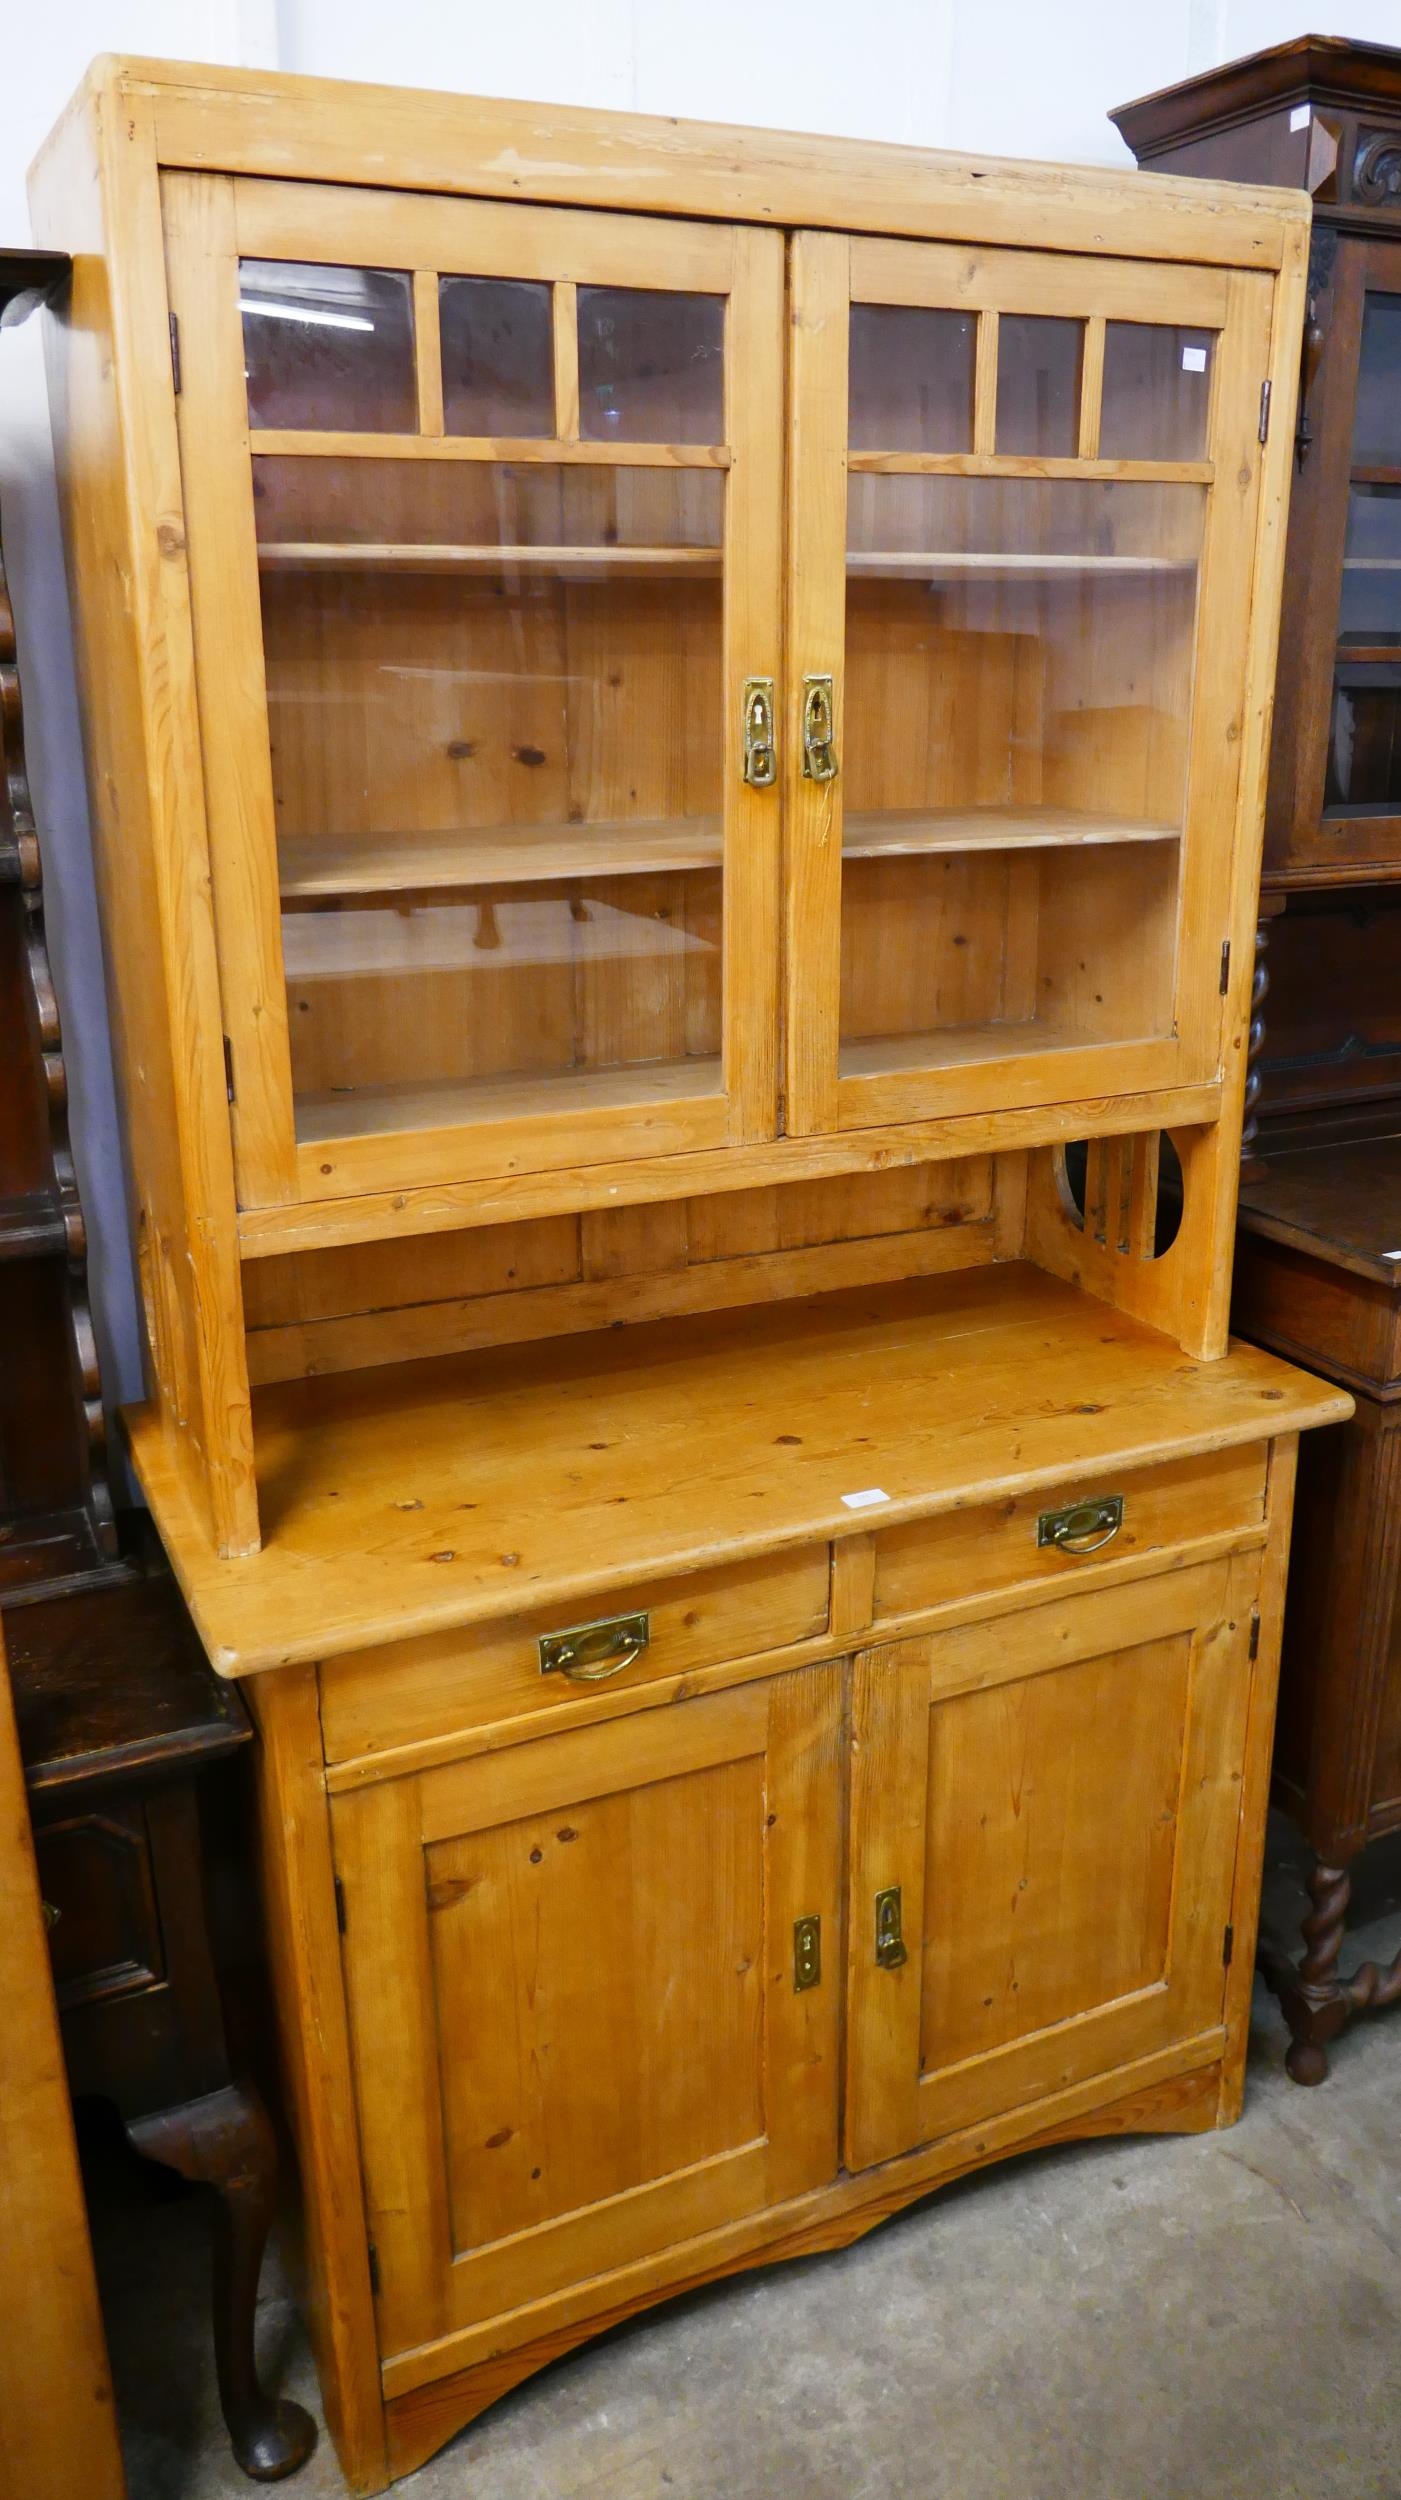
1362, 780
483, 513
1021, 598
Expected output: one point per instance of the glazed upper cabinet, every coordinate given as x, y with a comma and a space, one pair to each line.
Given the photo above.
484, 509
1325, 115
1023, 491
1334, 811
535, 825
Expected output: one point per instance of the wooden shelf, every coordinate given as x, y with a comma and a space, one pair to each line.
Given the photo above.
365, 867
896, 833
369, 865
968, 1045
376, 1111
343, 556
896, 563
730, 1434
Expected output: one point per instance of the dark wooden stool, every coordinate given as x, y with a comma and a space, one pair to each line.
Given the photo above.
121, 1722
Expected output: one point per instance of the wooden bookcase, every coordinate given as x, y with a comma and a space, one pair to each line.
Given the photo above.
676, 721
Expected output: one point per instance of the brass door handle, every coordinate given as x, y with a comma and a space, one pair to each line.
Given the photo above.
819, 730
588, 1653
1082, 1527
890, 1944
760, 745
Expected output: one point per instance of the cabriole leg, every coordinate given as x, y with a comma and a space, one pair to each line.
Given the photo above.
225, 2140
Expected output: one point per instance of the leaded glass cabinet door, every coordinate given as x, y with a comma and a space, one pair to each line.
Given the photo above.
1021, 518
1335, 784
483, 507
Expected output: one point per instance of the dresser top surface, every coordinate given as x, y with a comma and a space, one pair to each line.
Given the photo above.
1339, 1201
424, 1497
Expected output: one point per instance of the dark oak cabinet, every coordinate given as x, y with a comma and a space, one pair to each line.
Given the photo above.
1318, 1259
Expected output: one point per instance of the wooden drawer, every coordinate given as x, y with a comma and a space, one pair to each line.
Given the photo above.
426, 1688
933, 1562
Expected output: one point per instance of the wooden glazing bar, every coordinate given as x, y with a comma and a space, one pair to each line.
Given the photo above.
428, 352
1036, 465
566, 337
1091, 394
282, 443
985, 387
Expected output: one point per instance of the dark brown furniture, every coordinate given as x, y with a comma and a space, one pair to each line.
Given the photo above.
55, 1509
121, 1723
1325, 115
1318, 1275
1318, 1261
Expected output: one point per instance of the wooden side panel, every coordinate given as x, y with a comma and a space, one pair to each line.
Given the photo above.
60, 2434
1263, 1593
95, 194
304, 1947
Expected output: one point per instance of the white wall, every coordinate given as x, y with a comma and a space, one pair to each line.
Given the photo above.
1008, 77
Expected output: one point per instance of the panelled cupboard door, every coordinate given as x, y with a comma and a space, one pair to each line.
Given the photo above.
577, 2026
1044, 1820
1022, 498
483, 513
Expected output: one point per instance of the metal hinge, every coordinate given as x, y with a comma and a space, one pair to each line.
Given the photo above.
175, 353
1265, 412
1254, 1636
340, 1903
228, 1068
1228, 1946
1225, 967
374, 2269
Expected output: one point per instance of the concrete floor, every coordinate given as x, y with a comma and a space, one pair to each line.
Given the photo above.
1182, 2318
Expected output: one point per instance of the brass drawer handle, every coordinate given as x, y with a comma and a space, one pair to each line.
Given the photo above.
1083, 1527
588, 1653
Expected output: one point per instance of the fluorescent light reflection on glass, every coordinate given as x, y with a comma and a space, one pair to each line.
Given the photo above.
268, 311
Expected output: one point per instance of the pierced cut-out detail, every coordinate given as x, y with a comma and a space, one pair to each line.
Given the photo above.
1124, 1192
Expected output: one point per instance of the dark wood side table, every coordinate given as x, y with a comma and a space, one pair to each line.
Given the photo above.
122, 1725
1318, 1275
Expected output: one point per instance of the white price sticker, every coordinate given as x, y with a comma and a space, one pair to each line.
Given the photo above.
866, 1500
1194, 360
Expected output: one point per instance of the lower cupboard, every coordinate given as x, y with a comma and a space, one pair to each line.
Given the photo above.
617, 1989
